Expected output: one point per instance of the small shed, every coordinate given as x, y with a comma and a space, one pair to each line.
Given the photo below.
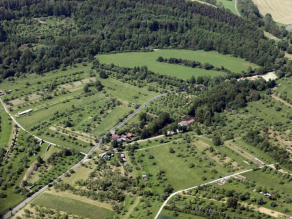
144, 177
122, 155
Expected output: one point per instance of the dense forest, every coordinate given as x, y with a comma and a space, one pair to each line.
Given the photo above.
226, 95
118, 26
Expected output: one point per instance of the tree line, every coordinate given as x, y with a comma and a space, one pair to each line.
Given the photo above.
106, 26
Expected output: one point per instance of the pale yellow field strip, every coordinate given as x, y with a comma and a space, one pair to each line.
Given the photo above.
281, 10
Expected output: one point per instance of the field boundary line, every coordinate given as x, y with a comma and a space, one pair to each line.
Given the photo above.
235, 7
24, 202
169, 197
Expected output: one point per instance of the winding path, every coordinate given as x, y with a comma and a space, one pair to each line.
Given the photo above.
235, 7
76, 165
164, 203
289, 27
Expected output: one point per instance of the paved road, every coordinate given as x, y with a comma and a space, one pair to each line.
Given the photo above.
75, 166
235, 7
164, 203
22, 127
289, 27
126, 119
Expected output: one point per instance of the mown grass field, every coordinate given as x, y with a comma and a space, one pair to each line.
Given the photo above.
81, 172
126, 92
72, 205
253, 151
177, 170
111, 120
148, 59
5, 127
279, 9
228, 5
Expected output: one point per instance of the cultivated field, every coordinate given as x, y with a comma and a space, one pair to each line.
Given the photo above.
75, 206
279, 9
148, 59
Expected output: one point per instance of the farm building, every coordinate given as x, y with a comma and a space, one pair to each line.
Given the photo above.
190, 121
261, 162
124, 137
24, 112
115, 137
144, 177
130, 135
183, 123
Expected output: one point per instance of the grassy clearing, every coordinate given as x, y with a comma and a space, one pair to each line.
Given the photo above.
66, 144
111, 120
202, 2
255, 152
269, 114
279, 9
177, 170
286, 87
148, 59
238, 158
167, 214
126, 92
81, 172
228, 5
131, 208
32, 79
80, 198
5, 127
35, 117
270, 181
74, 206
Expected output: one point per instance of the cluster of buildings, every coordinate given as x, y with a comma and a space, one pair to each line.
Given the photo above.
122, 137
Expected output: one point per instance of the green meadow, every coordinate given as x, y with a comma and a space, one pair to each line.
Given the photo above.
5, 126
177, 170
148, 59
74, 206
228, 5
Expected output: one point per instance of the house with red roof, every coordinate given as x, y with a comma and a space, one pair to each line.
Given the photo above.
115, 137
130, 135
190, 121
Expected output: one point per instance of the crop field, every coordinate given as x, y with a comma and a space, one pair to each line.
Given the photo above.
279, 9
148, 59
72, 205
